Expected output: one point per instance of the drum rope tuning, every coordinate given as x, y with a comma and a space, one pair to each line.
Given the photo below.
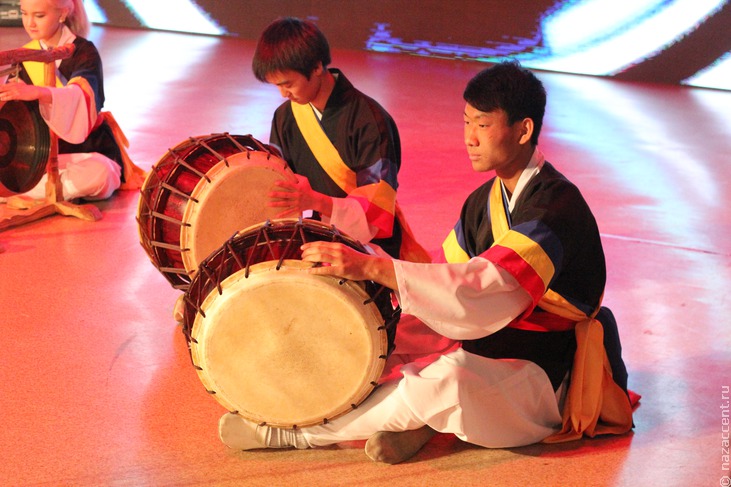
291, 249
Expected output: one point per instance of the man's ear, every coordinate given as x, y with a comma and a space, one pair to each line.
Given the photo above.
319, 69
526, 130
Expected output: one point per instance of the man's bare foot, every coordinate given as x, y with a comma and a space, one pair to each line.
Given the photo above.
396, 447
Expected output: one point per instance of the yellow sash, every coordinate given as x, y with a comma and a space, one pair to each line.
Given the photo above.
329, 158
36, 69
595, 404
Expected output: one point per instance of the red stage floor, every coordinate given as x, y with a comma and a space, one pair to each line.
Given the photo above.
96, 385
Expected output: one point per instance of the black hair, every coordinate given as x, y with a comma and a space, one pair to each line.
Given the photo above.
290, 44
510, 87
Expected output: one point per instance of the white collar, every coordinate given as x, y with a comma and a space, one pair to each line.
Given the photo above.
67, 37
318, 113
534, 167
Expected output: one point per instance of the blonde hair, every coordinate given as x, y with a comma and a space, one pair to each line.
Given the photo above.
76, 20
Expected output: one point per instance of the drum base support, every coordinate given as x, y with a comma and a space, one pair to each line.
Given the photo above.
54, 203
85, 212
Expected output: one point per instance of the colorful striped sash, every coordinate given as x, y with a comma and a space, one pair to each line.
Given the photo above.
381, 194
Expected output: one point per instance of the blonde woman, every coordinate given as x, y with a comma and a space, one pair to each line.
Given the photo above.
91, 159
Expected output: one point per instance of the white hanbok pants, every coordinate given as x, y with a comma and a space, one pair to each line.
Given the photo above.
91, 176
487, 402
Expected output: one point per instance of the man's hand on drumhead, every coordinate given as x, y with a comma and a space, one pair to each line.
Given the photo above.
343, 261
337, 259
297, 197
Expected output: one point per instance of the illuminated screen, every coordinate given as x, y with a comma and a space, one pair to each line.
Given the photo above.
669, 41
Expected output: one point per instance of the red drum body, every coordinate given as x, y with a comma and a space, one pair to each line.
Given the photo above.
199, 194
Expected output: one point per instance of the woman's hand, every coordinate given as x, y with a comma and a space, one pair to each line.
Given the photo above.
343, 261
20, 91
297, 197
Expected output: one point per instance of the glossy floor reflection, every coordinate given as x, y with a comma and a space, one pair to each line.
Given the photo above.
96, 385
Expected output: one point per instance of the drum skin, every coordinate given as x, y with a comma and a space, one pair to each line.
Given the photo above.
278, 345
230, 198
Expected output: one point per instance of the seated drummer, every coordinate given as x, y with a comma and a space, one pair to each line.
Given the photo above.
92, 162
342, 144
521, 289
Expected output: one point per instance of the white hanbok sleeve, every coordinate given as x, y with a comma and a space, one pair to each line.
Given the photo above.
68, 114
349, 217
460, 301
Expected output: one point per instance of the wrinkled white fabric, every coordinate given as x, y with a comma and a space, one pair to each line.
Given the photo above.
91, 176
349, 217
414, 339
487, 402
460, 301
67, 115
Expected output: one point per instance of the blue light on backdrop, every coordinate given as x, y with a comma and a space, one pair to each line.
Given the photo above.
594, 37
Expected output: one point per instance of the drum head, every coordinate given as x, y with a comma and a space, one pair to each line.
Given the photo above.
25, 143
230, 198
287, 348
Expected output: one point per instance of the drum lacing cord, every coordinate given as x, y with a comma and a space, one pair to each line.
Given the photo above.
244, 148
261, 147
262, 231
145, 193
182, 162
178, 192
338, 237
173, 190
204, 269
298, 228
222, 158
152, 246
213, 277
167, 218
230, 248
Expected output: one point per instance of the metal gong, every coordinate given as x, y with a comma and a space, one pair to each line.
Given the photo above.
25, 143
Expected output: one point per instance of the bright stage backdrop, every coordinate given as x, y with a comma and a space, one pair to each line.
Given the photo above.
670, 41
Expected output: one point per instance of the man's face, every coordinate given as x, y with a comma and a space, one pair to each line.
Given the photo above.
295, 86
491, 143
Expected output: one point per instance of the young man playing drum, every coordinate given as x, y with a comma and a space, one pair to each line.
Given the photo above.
521, 285
343, 145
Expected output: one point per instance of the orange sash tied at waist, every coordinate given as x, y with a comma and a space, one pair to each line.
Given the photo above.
595, 404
